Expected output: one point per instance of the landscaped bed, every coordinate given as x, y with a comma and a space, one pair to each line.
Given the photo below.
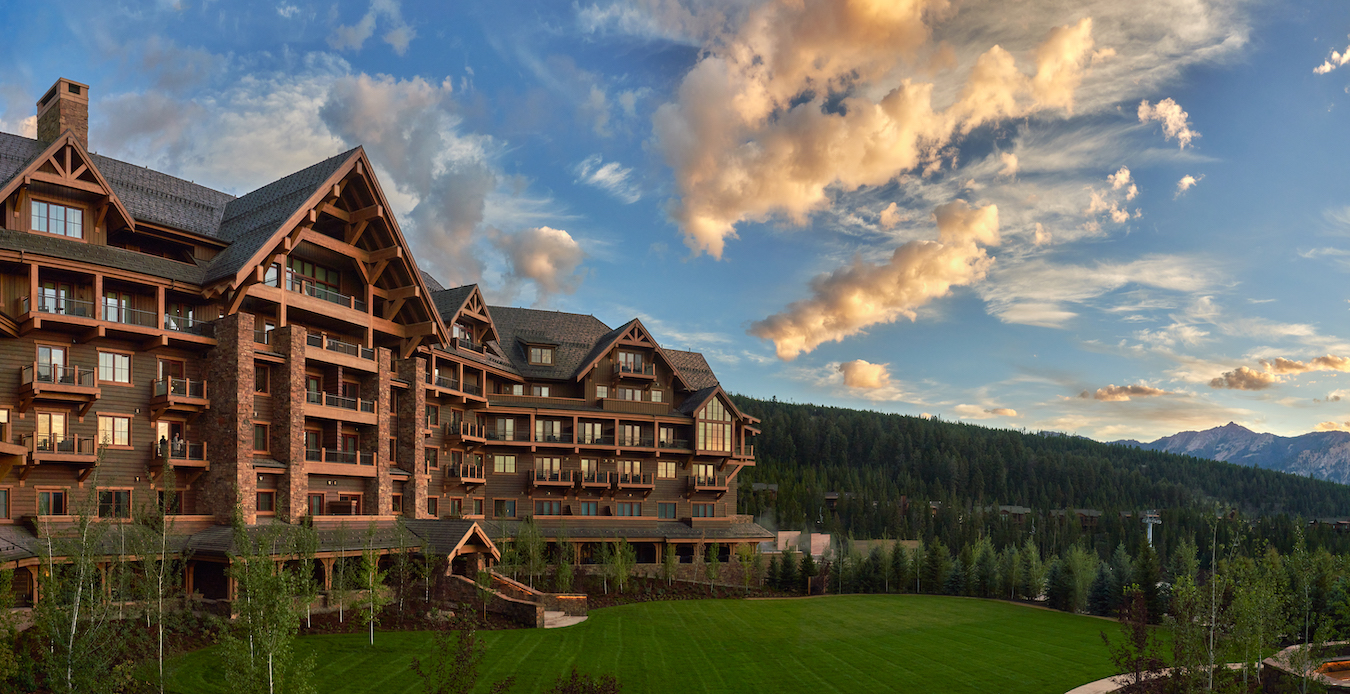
912, 643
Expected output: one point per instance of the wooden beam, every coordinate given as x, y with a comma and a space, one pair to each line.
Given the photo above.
385, 254
366, 213
354, 231
377, 271
393, 309
69, 183
329, 208
411, 291
335, 245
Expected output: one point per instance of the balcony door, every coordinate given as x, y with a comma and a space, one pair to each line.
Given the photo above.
350, 443
51, 364
352, 501
115, 306
171, 437
51, 432
506, 429
56, 298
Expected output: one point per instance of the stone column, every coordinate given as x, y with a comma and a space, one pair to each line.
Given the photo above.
412, 410
288, 423
228, 423
380, 490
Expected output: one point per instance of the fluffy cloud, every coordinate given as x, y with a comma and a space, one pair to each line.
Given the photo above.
1330, 362
1115, 393
399, 34
865, 375
1122, 179
1332, 426
609, 177
1243, 378
1186, 183
1173, 119
754, 133
548, 257
1335, 60
848, 300
891, 216
1009, 161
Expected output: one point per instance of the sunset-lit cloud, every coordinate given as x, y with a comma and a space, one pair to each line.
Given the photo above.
1243, 378
1332, 426
850, 299
982, 412
1330, 362
1115, 393
1175, 123
865, 375
548, 257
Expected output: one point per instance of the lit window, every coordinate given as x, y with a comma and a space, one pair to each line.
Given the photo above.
504, 508
114, 431
628, 393
713, 434
114, 503
504, 463
539, 391
601, 391
665, 469
114, 368
58, 219
657, 396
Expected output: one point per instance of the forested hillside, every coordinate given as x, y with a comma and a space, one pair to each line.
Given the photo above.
874, 460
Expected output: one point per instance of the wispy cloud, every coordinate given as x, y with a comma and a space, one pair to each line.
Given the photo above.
610, 177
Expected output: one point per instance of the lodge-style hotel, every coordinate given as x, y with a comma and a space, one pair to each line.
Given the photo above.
166, 343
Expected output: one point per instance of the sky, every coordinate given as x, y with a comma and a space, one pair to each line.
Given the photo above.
1113, 219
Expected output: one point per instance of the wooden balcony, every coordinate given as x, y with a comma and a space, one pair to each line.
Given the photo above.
674, 445
123, 322
634, 406
466, 432
745, 451
178, 395
646, 372
635, 481
180, 455
46, 449
344, 409
330, 461
558, 479
562, 438
69, 385
634, 442
708, 483
48, 313
503, 436
596, 480
330, 350
470, 476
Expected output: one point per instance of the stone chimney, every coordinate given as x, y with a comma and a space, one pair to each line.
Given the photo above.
64, 107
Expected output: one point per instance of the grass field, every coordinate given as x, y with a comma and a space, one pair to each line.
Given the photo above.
906, 643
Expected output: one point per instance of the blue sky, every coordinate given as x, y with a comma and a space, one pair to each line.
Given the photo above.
1113, 219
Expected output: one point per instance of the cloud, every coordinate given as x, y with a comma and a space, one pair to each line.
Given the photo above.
548, 257
1009, 161
1173, 119
1243, 378
1123, 179
1335, 60
865, 375
891, 216
979, 412
754, 133
1332, 426
1115, 393
1330, 362
611, 178
352, 37
862, 294
1186, 183
1041, 236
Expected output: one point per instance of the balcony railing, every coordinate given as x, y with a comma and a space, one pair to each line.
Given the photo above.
468, 472
588, 440
558, 477
635, 479
58, 375
180, 388
331, 400
333, 344
560, 437
466, 343
126, 315
181, 450
62, 307
332, 455
708, 482
473, 389
262, 337
62, 443
185, 324
682, 444
592, 478
469, 429
300, 285
499, 435
635, 369
443, 382
747, 450
635, 441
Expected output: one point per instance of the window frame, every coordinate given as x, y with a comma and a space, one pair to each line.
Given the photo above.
663, 506
114, 417
271, 496
65, 500
665, 470
32, 215
498, 463
266, 428
541, 355
113, 381
502, 504
262, 386
433, 506
112, 504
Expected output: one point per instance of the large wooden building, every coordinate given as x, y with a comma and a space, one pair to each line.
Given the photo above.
281, 353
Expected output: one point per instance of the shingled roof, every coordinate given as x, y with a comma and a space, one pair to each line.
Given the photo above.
693, 367
449, 301
109, 256
16, 153
151, 196
573, 335
252, 220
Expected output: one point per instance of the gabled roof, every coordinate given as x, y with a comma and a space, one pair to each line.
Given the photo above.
574, 335
16, 153
253, 220
693, 367
636, 333
151, 196
66, 172
694, 401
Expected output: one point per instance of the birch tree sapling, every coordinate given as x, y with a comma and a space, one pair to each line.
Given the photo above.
372, 581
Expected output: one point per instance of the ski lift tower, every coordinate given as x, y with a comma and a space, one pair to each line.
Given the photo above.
1151, 518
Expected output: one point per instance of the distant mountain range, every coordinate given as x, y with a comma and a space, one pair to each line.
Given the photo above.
1321, 454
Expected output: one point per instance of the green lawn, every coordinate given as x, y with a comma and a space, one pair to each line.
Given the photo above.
851, 644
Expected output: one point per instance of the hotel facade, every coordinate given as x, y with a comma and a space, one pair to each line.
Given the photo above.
281, 353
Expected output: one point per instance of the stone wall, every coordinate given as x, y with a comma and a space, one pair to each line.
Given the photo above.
228, 423
461, 589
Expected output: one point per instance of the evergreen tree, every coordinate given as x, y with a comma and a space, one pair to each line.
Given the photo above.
1033, 572
775, 576
935, 567
669, 563
1058, 585
1102, 593
900, 567
1122, 568
1146, 576
790, 571
809, 570
955, 583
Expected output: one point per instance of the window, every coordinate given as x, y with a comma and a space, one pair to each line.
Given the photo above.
703, 473
539, 391
396, 503
51, 433
601, 391
433, 507
548, 508
4, 503
504, 508
703, 510
267, 502
627, 393
433, 415
318, 280
665, 469
114, 503
630, 508
504, 463
261, 383
114, 430
630, 435
456, 507
548, 431
260, 438
548, 465
172, 504
117, 307
316, 504
51, 503
713, 434
478, 507
433, 456
461, 332
630, 362
114, 368
630, 468
506, 430
657, 396
587, 508
666, 436
58, 219
513, 389
541, 355
591, 432
666, 511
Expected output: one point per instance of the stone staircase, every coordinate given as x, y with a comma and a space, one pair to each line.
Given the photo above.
554, 619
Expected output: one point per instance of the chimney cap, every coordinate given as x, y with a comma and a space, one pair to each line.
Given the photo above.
67, 89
